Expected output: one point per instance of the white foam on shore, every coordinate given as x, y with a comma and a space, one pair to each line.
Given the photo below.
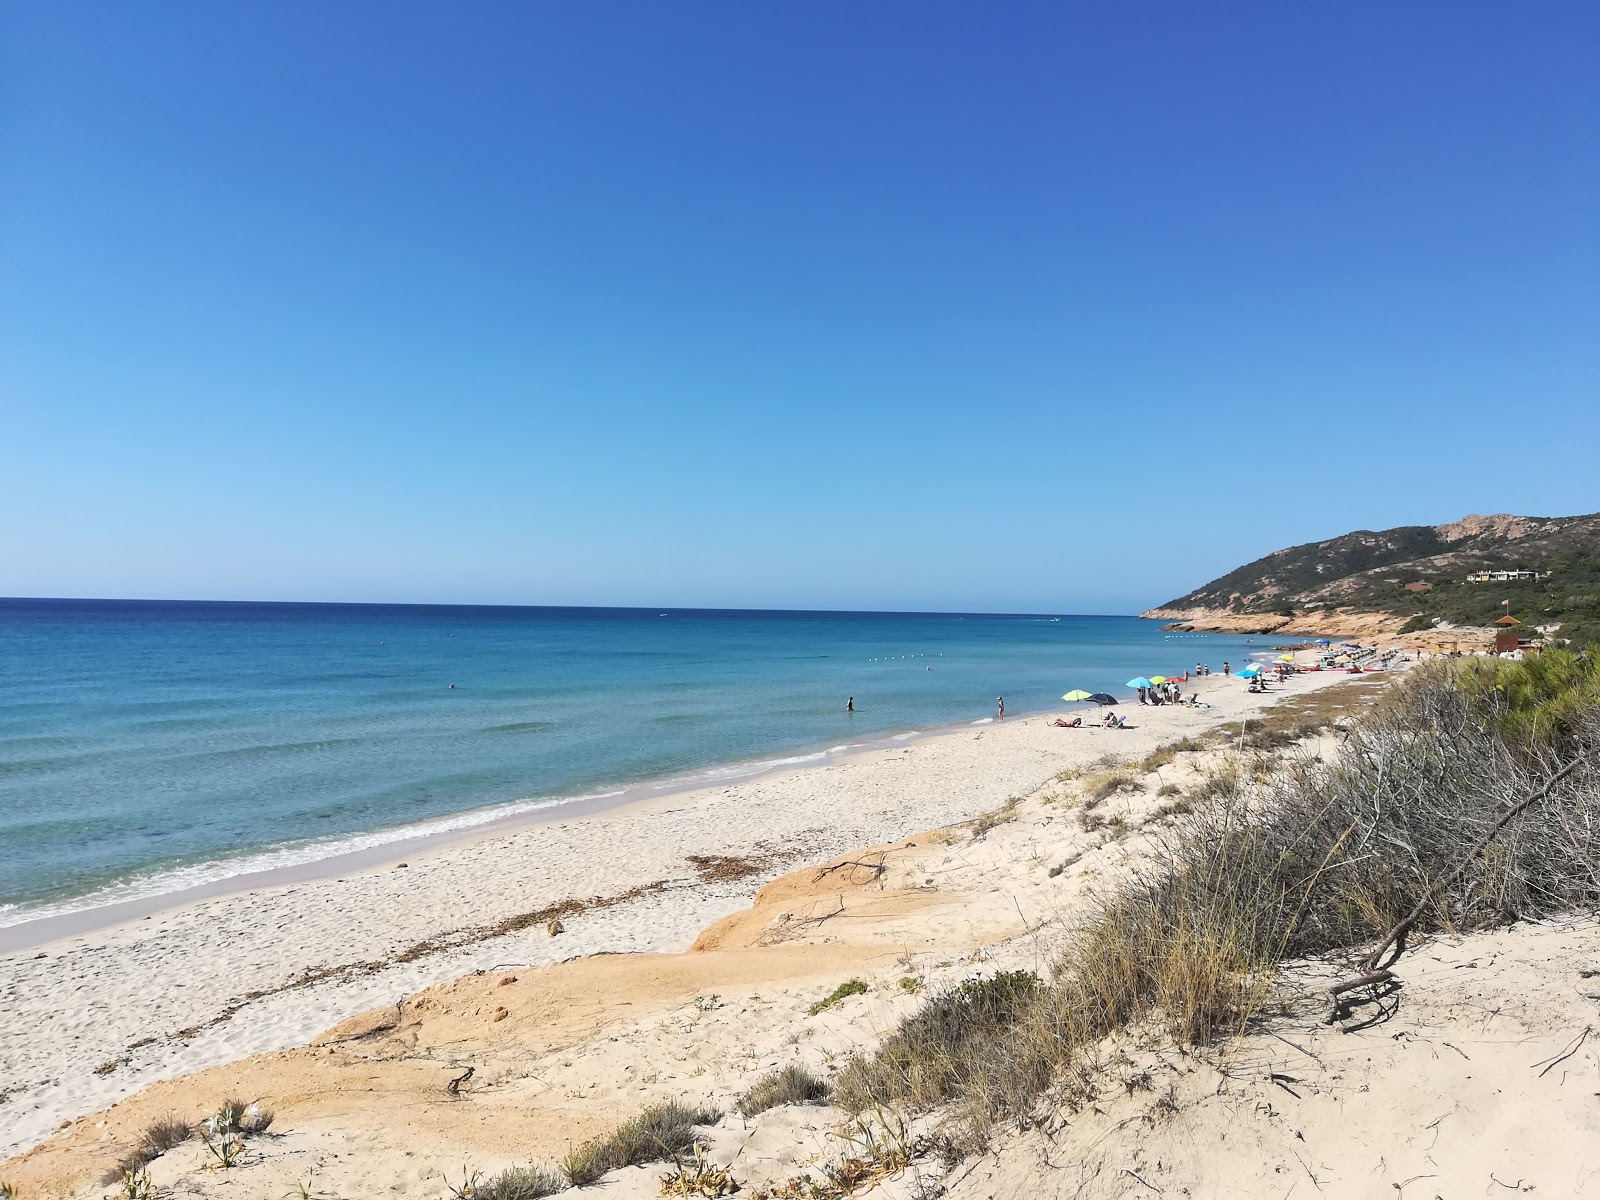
294, 854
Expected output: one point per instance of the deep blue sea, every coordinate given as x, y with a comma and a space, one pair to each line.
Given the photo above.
147, 745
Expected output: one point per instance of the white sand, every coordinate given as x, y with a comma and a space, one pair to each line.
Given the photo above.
86, 1003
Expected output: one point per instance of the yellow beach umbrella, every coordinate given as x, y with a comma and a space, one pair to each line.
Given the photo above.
1285, 658
1076, 695
1158, 679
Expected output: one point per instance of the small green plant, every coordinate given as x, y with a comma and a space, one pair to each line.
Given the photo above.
792, 1084
708, 1003
850, 987
911, 984
8, 1191
467, 1189
304, 1191
136, 1185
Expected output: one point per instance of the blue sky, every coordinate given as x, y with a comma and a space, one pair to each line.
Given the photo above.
1032, 307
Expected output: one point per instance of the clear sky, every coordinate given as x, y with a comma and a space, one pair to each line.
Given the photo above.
1041, 307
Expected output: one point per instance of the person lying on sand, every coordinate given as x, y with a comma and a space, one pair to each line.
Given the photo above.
1059, 723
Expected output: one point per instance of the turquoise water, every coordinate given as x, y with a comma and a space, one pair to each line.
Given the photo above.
150, 745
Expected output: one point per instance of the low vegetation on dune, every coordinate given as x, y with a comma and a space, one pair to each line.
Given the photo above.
520, 1183
1468, 797
659, 1133
792, 1084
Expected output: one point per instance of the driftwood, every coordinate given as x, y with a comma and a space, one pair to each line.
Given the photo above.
454, 1086
1395, 939
877, 868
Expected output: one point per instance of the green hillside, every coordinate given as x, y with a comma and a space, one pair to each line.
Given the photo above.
1370, 570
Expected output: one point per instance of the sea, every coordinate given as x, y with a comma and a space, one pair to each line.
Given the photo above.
147, 747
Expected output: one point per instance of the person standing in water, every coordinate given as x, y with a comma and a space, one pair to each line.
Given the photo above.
850, 704
1000, 707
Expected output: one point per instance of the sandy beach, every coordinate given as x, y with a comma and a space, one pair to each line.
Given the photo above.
500, 1061
96, 1017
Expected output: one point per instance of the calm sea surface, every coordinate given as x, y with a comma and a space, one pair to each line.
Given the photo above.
146, 746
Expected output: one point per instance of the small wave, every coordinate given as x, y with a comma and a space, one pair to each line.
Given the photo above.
984, 721
520, 727
905, 737
268, 749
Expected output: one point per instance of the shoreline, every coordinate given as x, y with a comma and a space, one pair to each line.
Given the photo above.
33, 925
63, 920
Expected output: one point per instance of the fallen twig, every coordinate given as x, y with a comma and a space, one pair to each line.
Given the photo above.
454, 1086
877, 868
1547, 1063
1135, 1175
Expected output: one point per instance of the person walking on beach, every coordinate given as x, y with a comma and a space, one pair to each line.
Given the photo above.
1142, 698
850, 705
1226, 669
1000, 707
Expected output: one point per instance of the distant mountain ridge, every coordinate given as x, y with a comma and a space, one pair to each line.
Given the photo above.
1368, 572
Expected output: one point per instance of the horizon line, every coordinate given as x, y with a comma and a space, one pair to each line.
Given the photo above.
643, 608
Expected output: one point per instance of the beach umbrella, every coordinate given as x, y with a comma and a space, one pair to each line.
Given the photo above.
1324, 642
1285, 658
1077, 694
1141, 681
1158, 679
1249, 672
1103, 698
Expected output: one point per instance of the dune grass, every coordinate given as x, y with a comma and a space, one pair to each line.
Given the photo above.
792, 1084
658, 1134
521, 1183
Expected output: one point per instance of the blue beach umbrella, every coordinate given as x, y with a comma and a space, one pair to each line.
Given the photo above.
1249, 672
1140, 682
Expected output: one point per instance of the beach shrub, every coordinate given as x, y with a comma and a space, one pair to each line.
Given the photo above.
521, 1183
850, 987
658, 1134
792, 1084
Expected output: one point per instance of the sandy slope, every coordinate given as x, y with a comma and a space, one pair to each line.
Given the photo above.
1454, 1093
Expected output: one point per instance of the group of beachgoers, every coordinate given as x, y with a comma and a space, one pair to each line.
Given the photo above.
1109, 721
1169, 692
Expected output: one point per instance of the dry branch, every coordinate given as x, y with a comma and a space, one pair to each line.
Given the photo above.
1371, 972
